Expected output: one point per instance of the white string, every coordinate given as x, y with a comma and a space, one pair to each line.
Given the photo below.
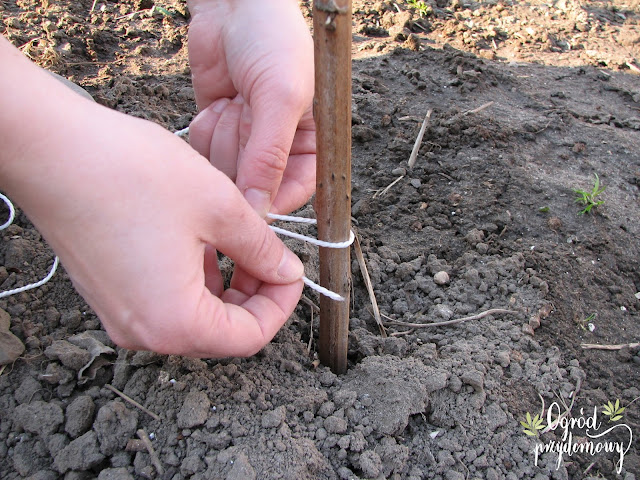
314, 241
182, 133
321, 243
324, 291
291, 218
31, 286
12, 214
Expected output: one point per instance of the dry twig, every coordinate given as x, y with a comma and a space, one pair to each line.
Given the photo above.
567, 408
493, 311
310, 302
416, 146
155, 460
380, 193
132, 401
310, 334
595, 346
367, 282
479, 109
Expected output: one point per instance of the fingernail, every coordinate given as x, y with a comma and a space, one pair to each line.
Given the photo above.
260, 200
219, 105
290, 268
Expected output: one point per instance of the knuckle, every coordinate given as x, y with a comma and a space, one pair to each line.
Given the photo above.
272, 161
294, 94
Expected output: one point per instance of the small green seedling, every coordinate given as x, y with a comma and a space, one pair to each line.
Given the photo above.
161, 10
423, 9
532, 426
587, 323
590, 199
614, 412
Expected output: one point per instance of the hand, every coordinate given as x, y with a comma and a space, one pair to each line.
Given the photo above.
252, 69
136, 216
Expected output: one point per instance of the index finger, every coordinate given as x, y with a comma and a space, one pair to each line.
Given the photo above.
266, 136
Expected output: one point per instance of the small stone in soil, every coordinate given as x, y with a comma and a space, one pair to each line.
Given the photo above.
441, 278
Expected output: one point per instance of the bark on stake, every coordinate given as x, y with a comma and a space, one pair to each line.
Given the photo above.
332, 111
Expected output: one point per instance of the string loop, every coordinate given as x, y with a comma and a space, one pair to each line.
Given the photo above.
321, 243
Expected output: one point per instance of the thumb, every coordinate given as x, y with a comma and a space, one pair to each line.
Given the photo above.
242, 235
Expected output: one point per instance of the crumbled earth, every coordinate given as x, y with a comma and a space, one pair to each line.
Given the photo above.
528, 102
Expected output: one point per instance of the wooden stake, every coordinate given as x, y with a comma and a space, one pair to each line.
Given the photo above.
332, 112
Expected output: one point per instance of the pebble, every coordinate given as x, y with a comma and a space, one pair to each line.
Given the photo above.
441, 278
191, 465
345, 398
28, 391
186, 93
114, 425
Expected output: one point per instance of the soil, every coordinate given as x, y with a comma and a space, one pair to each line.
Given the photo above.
528, 102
